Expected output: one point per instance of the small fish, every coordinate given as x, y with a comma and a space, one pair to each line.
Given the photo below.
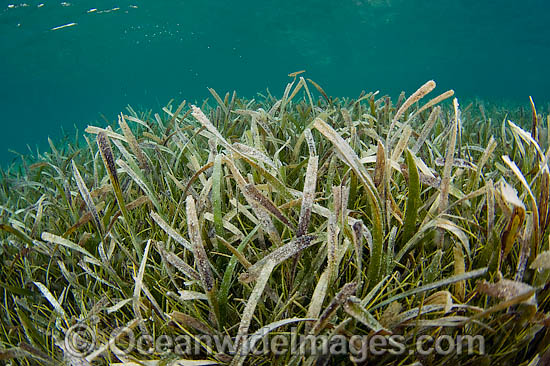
63, 26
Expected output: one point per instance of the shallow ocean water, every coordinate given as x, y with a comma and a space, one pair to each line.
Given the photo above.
67, 64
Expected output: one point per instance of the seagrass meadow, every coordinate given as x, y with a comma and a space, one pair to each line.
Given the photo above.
304, 213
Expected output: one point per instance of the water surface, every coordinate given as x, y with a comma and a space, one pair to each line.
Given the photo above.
145, 53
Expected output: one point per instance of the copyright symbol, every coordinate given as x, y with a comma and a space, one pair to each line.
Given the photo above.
79, 340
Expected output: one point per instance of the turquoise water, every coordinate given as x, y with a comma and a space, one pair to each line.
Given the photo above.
144, 53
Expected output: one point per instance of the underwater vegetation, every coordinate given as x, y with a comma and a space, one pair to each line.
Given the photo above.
303, 214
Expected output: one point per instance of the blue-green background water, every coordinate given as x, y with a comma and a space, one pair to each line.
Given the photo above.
144, 53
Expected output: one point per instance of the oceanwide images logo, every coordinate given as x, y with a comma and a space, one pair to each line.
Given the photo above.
82, 342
